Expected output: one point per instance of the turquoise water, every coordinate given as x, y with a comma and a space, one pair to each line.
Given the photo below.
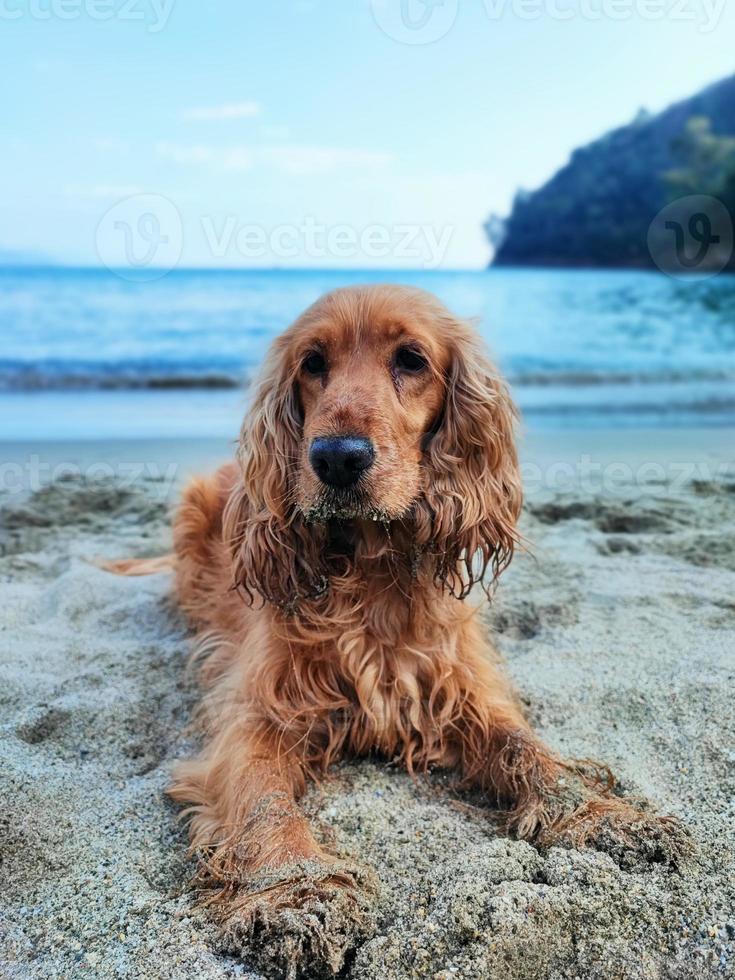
86, 354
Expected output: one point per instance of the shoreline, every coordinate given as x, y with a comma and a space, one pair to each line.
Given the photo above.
91, 414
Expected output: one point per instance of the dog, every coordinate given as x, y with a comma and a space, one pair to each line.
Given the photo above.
326, 573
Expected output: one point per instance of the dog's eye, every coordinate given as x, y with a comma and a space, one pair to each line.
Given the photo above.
315, 363
409, 360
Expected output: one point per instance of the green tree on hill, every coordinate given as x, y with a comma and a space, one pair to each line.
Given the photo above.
706, 162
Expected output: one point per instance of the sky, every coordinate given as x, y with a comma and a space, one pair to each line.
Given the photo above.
333, 133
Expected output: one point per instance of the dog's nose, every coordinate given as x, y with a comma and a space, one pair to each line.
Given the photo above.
339, 460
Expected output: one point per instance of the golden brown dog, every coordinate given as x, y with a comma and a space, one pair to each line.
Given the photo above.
324, 572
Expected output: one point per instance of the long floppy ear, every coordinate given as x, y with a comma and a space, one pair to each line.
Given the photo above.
472, 481
274, 554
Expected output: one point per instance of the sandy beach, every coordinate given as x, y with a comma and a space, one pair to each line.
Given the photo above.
617, 624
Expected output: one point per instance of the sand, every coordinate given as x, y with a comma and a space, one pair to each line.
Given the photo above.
619, 629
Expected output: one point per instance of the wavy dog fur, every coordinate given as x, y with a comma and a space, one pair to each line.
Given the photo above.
332, 624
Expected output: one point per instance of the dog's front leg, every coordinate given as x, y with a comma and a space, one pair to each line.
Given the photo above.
283, 900
543, 797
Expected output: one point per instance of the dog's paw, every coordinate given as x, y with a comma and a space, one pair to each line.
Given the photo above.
301, 919
632, 836
642, 840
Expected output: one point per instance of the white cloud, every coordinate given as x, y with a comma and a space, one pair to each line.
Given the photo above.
219, 113
185, 154
290, 159
235, 159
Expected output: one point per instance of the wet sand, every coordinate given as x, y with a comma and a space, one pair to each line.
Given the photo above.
618, 627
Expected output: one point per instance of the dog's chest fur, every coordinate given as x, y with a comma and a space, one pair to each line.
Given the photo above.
350, 673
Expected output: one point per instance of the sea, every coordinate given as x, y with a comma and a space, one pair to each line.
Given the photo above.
88, 354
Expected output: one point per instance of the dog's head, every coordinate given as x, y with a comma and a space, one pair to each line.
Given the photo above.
376, 404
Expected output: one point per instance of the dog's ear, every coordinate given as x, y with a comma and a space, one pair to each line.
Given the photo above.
472, 495
274, 554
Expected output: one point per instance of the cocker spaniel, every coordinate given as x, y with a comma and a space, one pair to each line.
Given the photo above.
325, 572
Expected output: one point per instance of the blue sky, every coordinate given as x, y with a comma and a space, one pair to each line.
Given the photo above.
257, 121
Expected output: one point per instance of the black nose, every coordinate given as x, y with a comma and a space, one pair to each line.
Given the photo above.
339, 460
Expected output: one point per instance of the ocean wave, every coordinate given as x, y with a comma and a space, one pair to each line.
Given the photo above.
581, 379
696, 406
113, 378
63, 376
